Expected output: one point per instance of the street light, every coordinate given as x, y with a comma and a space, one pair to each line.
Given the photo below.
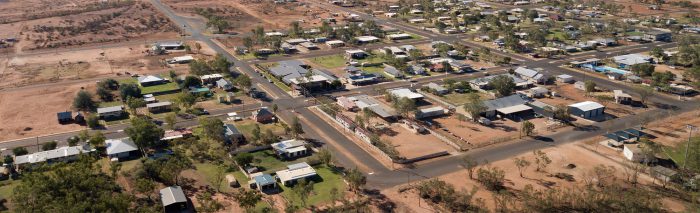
687, 146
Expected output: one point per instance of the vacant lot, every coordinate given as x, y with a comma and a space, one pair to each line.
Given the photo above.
477, 135
570, 95
411, 145
97, 23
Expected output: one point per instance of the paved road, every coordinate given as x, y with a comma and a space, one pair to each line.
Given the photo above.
350, 155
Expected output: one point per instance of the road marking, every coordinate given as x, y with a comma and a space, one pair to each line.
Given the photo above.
371, 173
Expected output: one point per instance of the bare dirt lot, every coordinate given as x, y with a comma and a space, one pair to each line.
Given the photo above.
32, 112
76, 23
570, 95
477, 135
583, 159
411, 145
31, 69
244, 15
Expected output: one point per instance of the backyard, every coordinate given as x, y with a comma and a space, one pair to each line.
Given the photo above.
329, 62
246, 127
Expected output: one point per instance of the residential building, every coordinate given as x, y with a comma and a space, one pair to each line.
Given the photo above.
564, 78
399, 36
150, 80
335, 43
355, 54
262, 182
181, 59
381, 110
176, 133
366, 39
232, 134
587, 109
537, 92
346, 103
159, 107
430, 112
263, 115
437, 89
530, 74
392, 71
483, 82
174, 200
290, 149
405, 93
61, 154
224, 84
211, 78
622, 97
626, 61
657, 35
295, 172
110, 112
121, 149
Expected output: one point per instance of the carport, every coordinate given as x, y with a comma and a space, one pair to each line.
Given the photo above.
517, 111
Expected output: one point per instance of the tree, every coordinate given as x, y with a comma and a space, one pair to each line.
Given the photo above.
503, 85
356, 180
186, 100
170, 121
220, 64
296, 128
527, 128
590, 86
491, 177
92, 120
649, 150
84, 188
247, 198
191, 81
243, 82
108, 84
144, 132
325, 157
83, 101
522, 164
219, 23
404, 106
207, 204
644, 93
97, 139
541, 159
135, 103
561, 112
275, 107
474, 106
243, 159
295, 29
657, 52
257, 134
219, 176
145, 186
248, 42
129, 90
19, 151
643, 69
470, 164
51, 145
212, 128
104, 94
303, 189
73, 141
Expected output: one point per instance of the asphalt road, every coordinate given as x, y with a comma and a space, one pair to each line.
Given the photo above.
349, 154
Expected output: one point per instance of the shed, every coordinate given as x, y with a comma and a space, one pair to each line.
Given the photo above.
232, 182
121, 149
622, 97
173, 199
564, 78
587, 109
264, 182
430, 112
64, 117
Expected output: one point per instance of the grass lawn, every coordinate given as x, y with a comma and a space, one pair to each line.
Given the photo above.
322, 189
268, 161
110, 104
377, 70
557, 34
160, 88
6, 187
246, 127
372, 60
209, 171
634, 33
677, 154
461, 98
330, 62
128, 81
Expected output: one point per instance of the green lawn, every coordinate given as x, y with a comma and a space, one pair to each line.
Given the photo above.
246, 127
128, 81
6, 187
208, 171
160, 88
372, 60
377, 70
277, 82
110, 104
322, 190
634, 33
268, 161
330, 62
460, 98
677, 154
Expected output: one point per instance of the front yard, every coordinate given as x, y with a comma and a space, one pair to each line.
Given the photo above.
329, 62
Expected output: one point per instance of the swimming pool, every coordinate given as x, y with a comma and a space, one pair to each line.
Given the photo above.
611, 69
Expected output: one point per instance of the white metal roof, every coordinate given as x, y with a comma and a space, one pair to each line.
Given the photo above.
171, 195
587, 105
514, 109
296, 171
60, 152
115, 146
405, 93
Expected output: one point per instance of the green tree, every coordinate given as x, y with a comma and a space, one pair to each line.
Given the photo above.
19, 151
92, 120
522, 164
469, 164
247, 198
356, 180
643, 69
170, 120
83, 101
97, 139
73, 141
144, 132
191, 81
145, 186
243, 159
248, 42
186, 100
108, 84
303, 189
325, 156
256, 133
657, 52
527, 128
590, 86
541, 159
644, 93
129, 90
296, 128
404, 106
244, 82
83, 186
491, 177
220, 64
51, 145
134, 104
212, 128
104, 94
503, 85
474, 106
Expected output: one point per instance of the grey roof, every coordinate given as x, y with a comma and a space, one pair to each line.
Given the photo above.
149, 78
116, 146
60, 152
436, 87
325, 73
392, 70
352, 69
64, 115
525, 72
159, 104
110, 109
264, 180
632, 59
222, 82
487, 79
294, 68
171, 195
231, 130
284, 145
508, 101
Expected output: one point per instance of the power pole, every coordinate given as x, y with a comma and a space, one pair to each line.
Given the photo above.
687, 146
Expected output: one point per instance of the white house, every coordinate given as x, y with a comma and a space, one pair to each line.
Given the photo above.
290, 148
120, 149
633, 153
295, 172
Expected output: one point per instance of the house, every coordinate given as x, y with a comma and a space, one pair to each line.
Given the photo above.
437, 89
262, 182
405, 93
622, 97
366, 39
615, 76
309, 46
381, 110
416, 70
417, 20
430, 112
176, 133
159, 107
626, 61
149, 98
664, 174
263, 115
587, 109
483, 82
392, 71
361, 78
537, 92
224, 84
335, 43
399, 36
513, 106
61, 154
587, 64
232, 134
619, 138
564, 78
200, 91
580, 85
160, 46
355, 54
174, 200
110, 112
290, 149
657, 35
150, 80
181, 59
64, 117
211, 78
121, 149
295, 172
530, 74
346, 103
